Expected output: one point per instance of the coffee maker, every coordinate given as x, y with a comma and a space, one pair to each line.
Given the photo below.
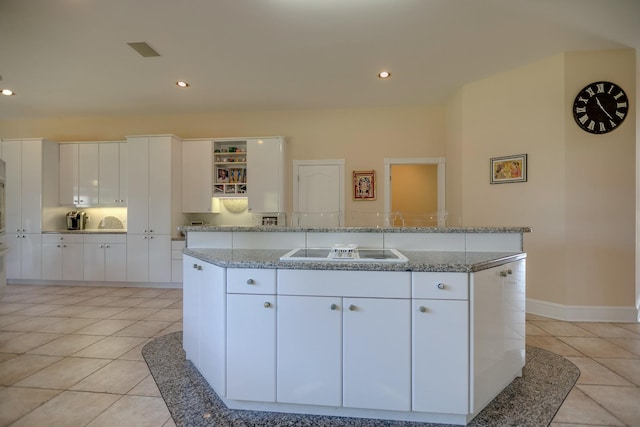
76, 220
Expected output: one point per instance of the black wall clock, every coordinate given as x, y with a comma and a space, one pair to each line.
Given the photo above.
600, 107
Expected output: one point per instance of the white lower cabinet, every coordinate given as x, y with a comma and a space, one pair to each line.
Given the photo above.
440, 342
176, 260
149, 258
62, 257
310, 350
344, 351
105, 257
251, 347
24, 258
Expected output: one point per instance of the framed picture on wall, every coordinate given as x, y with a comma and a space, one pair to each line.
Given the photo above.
364, 185
509, 169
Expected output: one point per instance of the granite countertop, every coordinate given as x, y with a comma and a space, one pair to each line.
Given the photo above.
429, 261
87, 231
272, 228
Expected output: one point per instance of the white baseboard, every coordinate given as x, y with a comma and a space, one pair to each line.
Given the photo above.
580, 313
168, 285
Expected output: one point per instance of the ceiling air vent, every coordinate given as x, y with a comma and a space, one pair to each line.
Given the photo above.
143, 49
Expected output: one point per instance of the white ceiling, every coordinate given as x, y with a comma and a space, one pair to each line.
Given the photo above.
69, 57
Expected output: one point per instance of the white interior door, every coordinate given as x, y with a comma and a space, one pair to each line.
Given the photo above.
318, 193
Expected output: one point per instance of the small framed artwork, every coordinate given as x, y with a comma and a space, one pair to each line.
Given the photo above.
364, 185
509, 169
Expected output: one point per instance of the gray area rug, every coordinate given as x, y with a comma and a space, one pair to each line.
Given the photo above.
531, 400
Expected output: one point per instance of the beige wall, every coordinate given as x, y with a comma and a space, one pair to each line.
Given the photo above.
579, 198
580, 194
363, 137
600, 189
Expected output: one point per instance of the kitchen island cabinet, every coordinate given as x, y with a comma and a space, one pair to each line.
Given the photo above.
421, 342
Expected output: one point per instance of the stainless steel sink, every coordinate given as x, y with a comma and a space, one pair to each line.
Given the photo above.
359, 255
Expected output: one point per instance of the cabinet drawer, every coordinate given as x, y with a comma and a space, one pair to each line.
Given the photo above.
371, 284
251, 281
440, 285
105, 238
59, 238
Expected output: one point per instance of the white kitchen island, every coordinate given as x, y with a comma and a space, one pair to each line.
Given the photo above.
434, 339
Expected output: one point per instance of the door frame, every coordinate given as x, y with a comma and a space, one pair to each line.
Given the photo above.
440, 161
328, 162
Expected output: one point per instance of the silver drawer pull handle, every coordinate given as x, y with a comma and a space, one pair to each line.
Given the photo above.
250, 282
195, 265
503, 274
267, 304
440, 285
199, 267
423, 309
352, 307
509, 271
334, 307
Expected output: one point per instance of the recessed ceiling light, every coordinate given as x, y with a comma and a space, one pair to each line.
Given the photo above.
182, 84
7, 92
384, 74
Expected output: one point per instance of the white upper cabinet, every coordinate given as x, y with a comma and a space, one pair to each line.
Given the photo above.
88, 174
112, 167
235, 167
197, 158
91, 174
68, 192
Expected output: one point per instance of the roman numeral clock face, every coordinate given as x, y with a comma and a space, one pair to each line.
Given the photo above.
600, 107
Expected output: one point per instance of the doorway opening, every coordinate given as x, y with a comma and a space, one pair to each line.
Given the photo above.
416, 189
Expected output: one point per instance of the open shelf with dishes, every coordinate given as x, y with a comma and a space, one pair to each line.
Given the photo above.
230, 169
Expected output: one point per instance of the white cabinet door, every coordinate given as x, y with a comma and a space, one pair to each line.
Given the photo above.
94, 262
251, 347
266, 173
124, 167
159, 256
138, 186
115, 262
31, 183
197, 158
52, 261
137, 258
31, 254
309, 350
440, 356
72, 265
160, 185
190, 309
68, 189
88, 177
376, 353
109, 171
497, 328
12, 155
212, 308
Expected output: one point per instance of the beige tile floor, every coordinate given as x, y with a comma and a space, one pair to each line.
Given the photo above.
70, 356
